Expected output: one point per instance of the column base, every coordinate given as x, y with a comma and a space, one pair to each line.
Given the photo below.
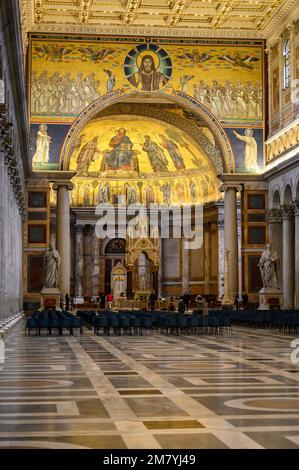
269, 297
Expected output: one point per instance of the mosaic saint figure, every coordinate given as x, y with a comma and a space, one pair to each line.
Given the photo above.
104, 193
86, 156
42, 146
149, 195
110, 82
166, 189
174, 152
250, 149
193, 193
131, 195
155, 155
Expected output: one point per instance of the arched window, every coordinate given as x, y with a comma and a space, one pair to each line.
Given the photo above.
287, 64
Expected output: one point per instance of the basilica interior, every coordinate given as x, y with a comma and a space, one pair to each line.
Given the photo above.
149, 224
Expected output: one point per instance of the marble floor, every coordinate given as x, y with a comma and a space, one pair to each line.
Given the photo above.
239, 391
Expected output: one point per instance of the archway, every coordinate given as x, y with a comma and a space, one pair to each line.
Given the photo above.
185, 183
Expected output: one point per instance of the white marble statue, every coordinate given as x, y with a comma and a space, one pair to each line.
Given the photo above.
51, 267
268, 265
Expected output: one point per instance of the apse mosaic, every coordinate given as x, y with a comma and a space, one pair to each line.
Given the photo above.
141, 158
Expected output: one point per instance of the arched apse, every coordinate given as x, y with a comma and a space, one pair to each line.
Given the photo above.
142, 158
189, 103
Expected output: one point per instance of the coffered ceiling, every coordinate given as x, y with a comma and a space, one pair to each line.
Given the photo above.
226, 18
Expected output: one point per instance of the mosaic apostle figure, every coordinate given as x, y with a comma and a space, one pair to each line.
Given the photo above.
86, 156
155, 155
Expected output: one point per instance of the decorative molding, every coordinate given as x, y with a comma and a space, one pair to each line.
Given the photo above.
287, 211
275, 216
8, 147
62, 184
178, 18
228, 186
283, 142
288, 14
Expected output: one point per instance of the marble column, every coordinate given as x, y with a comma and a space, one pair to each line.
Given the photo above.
288, 256
63, 236
275, 235
185, 267
296, 211
95, 265
230, 241
79, 261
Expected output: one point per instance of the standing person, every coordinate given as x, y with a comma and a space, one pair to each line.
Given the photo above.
153, 299
103, 299
186, 299
72, 303
181, 306
110, 300
245, 300
236, 302
67, 302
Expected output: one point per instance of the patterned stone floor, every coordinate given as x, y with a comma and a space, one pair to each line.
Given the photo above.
155, 392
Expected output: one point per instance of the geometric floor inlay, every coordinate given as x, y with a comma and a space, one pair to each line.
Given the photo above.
150, 392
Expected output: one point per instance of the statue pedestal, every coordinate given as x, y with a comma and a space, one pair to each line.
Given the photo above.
269, 296
50, 298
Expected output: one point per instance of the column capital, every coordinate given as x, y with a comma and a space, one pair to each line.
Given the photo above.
295, 205
228, 186
62, 184
275, 215
287, 211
